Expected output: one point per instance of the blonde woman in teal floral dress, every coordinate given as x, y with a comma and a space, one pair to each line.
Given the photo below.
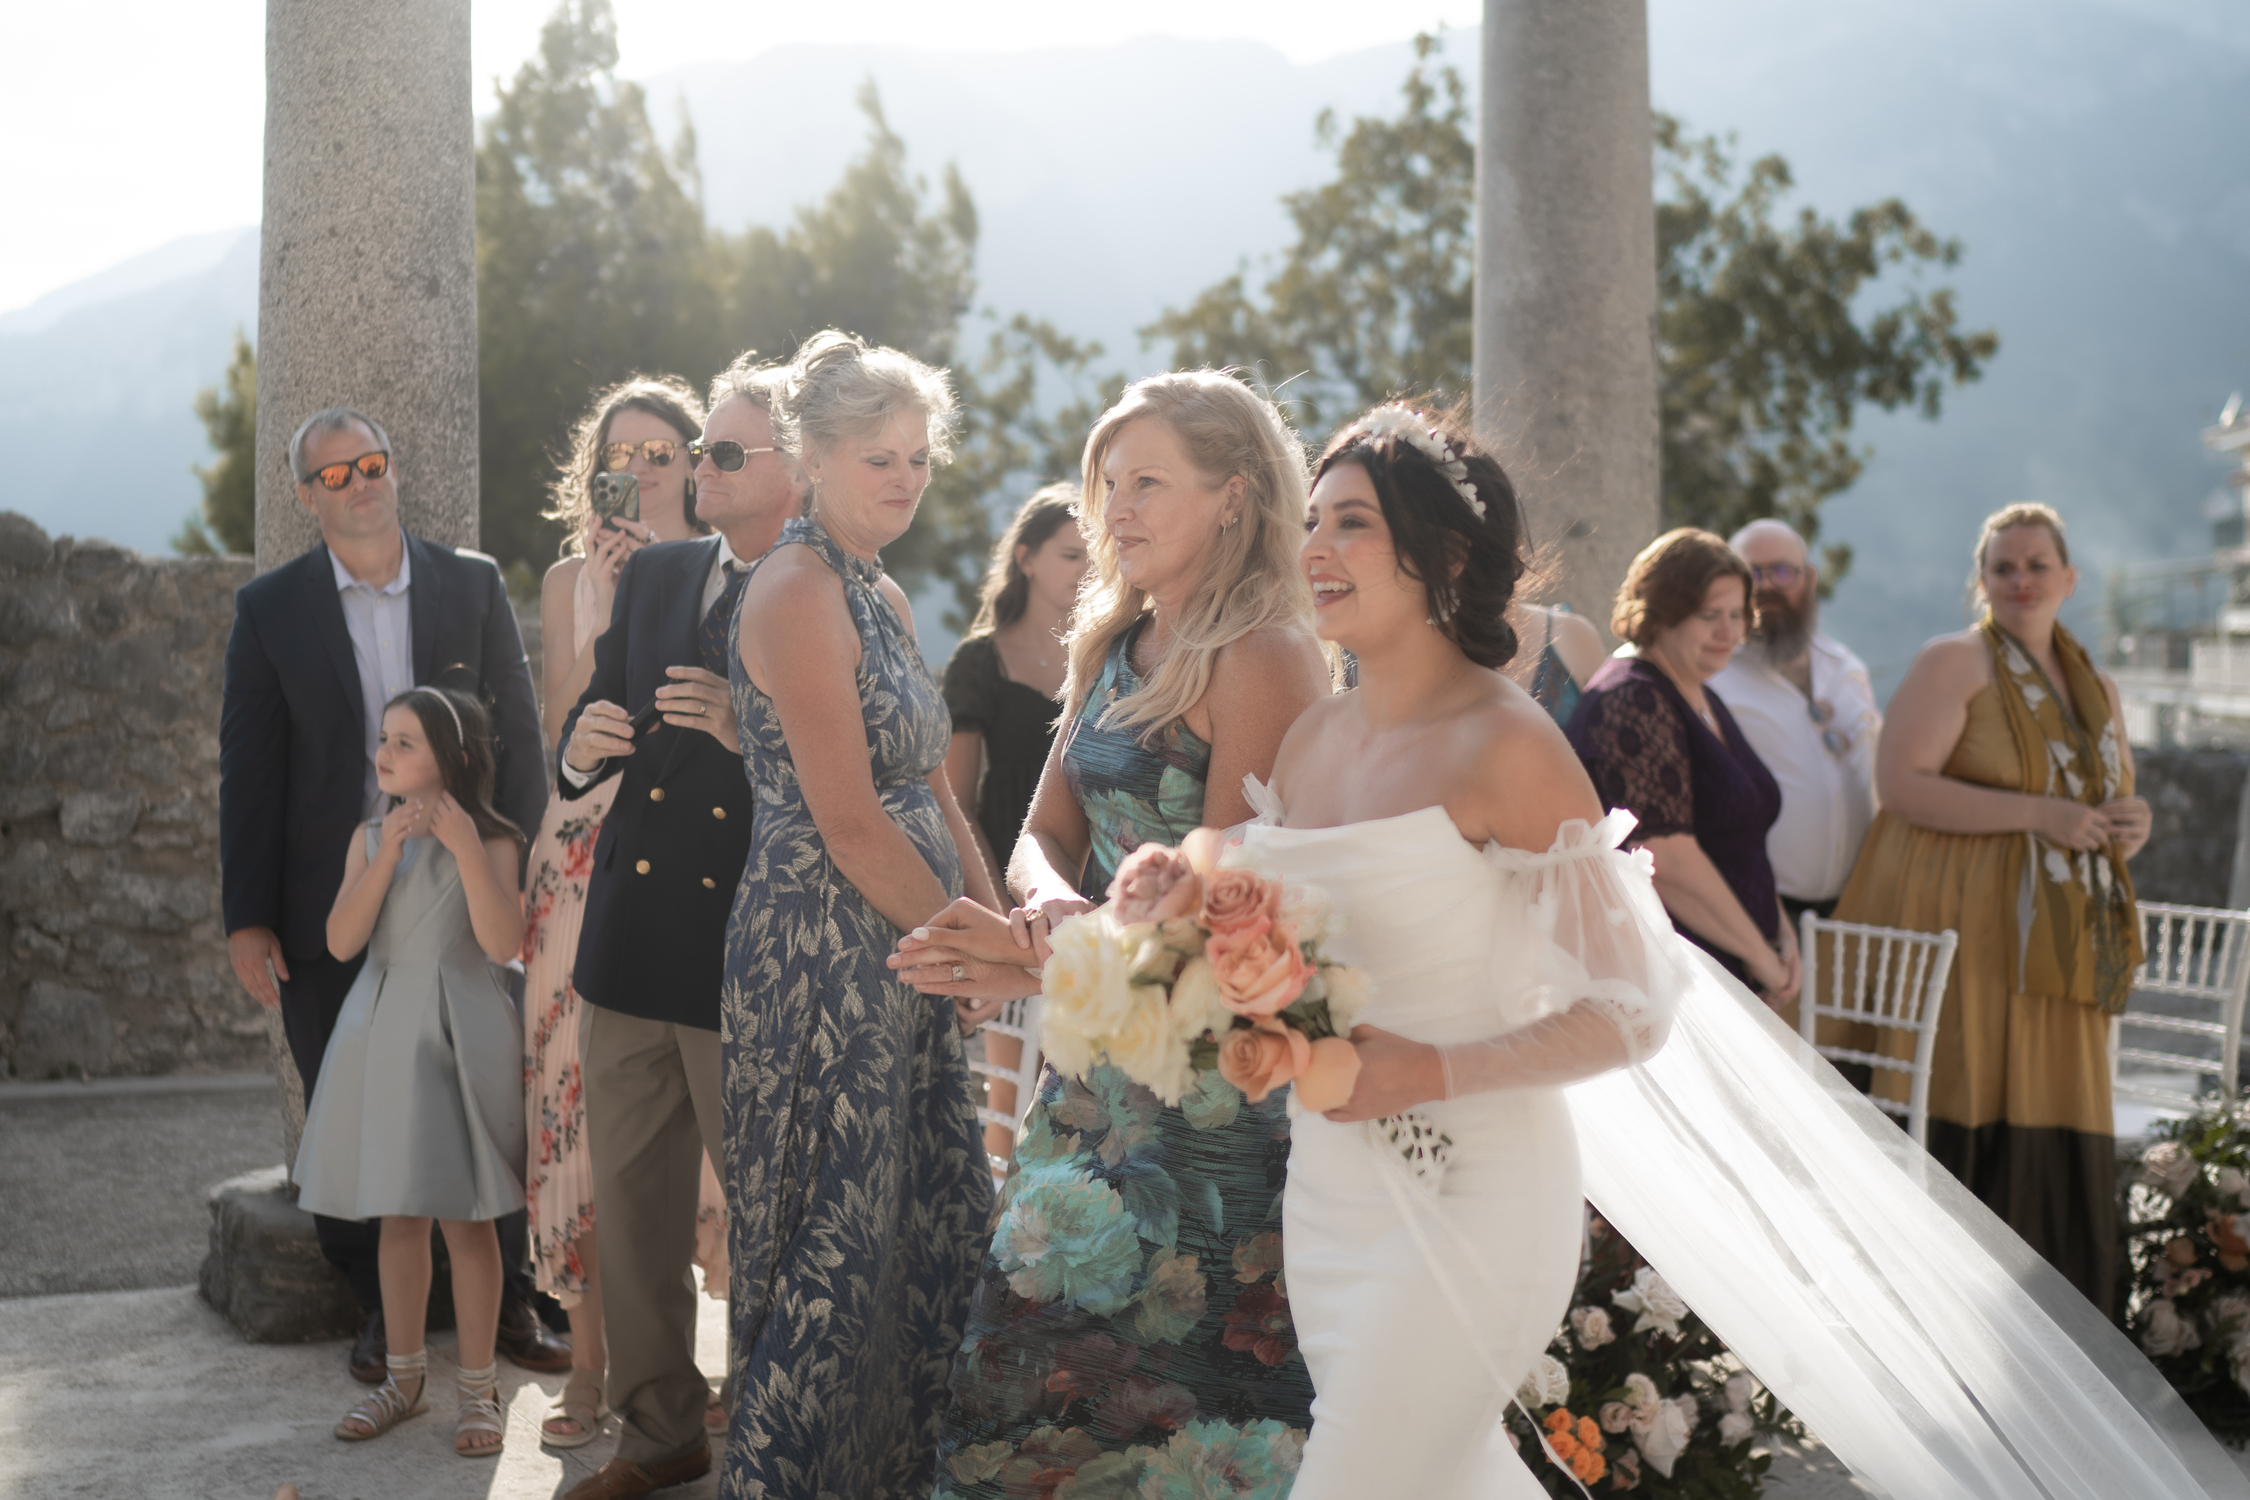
857, 1192
1131, 1327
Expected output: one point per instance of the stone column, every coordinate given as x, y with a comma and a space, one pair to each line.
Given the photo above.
1566, 281
367, 290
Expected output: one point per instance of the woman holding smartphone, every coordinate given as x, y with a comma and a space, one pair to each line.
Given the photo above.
636, 432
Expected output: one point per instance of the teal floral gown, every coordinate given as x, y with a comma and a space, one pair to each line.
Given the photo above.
858, 1191
1131, 1334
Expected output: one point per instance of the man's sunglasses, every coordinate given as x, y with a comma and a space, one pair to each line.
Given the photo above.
657, 451
725, 456
335, 476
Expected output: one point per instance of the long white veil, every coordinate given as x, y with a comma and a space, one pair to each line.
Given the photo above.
1918, 1337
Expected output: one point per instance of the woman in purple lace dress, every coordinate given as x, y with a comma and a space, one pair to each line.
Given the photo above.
1660, 744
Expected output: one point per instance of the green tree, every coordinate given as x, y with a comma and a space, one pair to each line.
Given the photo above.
593, 262
1764, 356
229, 410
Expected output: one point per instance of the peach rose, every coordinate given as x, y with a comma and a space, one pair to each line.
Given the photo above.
1329, 1076
1259, 1059
1237, 900
1155, 884
1259, 968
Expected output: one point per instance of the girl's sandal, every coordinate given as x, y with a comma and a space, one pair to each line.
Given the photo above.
385, 1408
580, 1406
479, 1415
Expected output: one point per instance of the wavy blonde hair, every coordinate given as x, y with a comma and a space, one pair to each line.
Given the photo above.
1250, 578
665, 397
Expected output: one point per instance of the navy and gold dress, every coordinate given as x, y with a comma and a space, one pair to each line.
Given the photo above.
857, 1190
1131, 1326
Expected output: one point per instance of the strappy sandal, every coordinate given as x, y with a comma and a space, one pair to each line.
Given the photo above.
581, 1405
387, 1405
479, 1413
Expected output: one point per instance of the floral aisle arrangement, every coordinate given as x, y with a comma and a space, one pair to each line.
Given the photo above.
1635, 1393
1190, 970
2187, 1253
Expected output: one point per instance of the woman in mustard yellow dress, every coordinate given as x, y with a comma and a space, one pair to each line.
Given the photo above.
2008, 815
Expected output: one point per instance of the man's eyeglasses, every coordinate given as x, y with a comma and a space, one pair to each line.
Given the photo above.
335, 476
1832, 739
657, 451
1780, 575
725, 456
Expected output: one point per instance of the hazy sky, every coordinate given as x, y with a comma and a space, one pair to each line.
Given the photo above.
143, 120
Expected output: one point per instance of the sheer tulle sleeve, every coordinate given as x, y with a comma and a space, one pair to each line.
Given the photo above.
1606, 972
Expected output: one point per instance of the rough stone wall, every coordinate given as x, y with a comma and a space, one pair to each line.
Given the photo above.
2195, 807
110, 674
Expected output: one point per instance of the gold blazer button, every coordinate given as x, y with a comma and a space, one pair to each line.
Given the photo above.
719, 813
709, 884
656, 794
641, 866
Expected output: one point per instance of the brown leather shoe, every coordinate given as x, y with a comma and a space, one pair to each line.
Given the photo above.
526, 1341
622, 1479
369, 1350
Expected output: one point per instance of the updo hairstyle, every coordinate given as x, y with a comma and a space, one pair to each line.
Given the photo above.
1668, 580
840, 387
1468, 565
669, 400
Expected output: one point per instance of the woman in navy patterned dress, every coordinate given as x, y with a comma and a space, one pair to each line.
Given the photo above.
1131, 1326
857, 1191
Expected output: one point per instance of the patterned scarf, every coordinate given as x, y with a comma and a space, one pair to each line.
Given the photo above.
2078, 934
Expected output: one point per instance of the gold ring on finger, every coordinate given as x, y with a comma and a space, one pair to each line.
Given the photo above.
960, 972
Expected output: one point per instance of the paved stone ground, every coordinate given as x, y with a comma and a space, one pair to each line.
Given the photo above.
128, 1384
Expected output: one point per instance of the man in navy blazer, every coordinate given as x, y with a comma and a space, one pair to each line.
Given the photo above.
652, 943
319, 645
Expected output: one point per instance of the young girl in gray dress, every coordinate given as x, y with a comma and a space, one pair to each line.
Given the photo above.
418, 1114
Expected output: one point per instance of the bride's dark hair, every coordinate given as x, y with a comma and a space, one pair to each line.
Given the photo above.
1469, 566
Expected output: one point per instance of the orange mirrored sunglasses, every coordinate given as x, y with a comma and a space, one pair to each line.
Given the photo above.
657, 451
335, 476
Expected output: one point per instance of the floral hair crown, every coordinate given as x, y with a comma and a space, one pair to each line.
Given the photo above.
1397, 420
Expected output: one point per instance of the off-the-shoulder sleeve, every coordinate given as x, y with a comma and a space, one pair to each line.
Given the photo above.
1606, 974
1635, 747
971, 684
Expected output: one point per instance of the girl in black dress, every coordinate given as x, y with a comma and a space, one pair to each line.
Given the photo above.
1004, 686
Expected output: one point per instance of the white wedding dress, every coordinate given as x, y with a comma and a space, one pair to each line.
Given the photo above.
1919, 1338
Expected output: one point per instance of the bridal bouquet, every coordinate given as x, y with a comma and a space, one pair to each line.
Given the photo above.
1192, 969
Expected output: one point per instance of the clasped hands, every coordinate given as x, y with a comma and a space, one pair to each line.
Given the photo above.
694, 699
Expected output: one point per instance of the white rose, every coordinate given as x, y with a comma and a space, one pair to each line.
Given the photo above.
1640, 1393
1665, 1437
1736, 1427
1089, 980
1741, 1389
2169, 1167
1349, 990
1196, 1006
2167, 1331
1689, 1411
1149, 1051
1659, 1306
1548, 1383
2230, 1182
1306, 908
1591, 1327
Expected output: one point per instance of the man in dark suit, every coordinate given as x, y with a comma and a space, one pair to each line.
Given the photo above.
652, 947
319, 645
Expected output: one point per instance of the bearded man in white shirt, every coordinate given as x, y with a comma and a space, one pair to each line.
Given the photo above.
1806, 705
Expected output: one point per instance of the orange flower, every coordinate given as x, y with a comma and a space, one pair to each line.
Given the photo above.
1236, 900
1329, 1075
1565, 1446
1590, 1434
1259, 1059
1588, 1465
1259, 968
1560, 1419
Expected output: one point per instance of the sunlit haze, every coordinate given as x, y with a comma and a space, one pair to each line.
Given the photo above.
156, 132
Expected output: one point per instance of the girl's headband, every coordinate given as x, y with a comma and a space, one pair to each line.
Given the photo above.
459, 734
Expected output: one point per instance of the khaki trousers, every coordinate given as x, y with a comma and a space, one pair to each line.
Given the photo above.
652, 1110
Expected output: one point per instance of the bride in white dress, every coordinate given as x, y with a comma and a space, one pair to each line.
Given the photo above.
1531, 1001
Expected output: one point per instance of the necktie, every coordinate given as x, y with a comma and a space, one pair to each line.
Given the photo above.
718, 625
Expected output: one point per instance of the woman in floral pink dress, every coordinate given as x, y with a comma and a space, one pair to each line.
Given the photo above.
641, 427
